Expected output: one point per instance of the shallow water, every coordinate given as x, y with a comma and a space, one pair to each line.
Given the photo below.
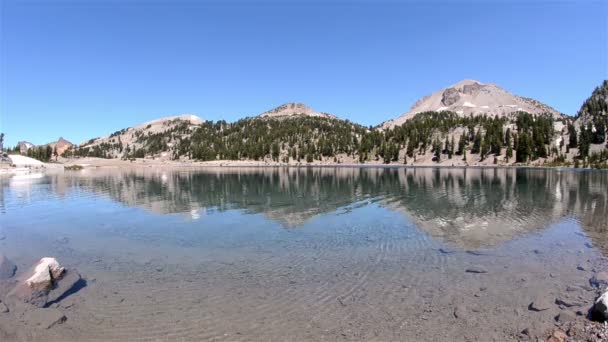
310, 253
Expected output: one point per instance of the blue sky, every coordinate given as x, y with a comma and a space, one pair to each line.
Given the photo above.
82, 69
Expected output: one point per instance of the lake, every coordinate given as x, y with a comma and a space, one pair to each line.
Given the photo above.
309, 253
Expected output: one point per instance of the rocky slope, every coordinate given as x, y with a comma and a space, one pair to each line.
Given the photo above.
473, 97
61, 145
131, 139
294, 109
595, 109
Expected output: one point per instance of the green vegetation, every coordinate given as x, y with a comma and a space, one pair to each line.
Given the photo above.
73, 167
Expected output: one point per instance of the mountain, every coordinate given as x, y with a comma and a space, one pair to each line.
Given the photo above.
23, 146
473, 97
292, 109
61, 145
128, 140
452, 134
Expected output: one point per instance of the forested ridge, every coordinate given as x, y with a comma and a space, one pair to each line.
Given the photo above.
517, 138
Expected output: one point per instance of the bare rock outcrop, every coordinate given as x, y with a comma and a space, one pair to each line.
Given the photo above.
450, 96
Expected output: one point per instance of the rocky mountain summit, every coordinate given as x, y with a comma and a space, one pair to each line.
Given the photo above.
293, 109
61, 145
470, 97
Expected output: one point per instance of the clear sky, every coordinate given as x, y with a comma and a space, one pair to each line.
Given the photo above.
82, 69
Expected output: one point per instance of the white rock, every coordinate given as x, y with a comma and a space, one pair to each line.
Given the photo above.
34, 286
45, 271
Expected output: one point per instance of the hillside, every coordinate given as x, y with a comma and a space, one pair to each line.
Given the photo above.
469, 97
139, 140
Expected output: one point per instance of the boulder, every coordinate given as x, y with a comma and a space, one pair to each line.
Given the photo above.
599, 310
44, 283
7, 268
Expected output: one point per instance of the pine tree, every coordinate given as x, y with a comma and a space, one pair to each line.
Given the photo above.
461, 144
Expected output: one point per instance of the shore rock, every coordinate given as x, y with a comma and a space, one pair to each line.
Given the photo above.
7, 268
599, 311
45, 318
557, 336
46, 282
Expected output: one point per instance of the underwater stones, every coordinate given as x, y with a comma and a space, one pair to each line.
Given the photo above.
599, 280
44, 318
540, 304
7, 268
476, 269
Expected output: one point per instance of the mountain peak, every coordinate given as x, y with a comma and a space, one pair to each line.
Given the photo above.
471, 97
465, 82
292, 109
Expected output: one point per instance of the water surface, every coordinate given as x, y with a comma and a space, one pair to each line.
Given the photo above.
310, 253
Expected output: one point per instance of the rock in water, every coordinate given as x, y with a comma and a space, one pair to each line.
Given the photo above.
69, 280
7, 268
540, 304
43, 282
476, 269
599, 311
45, 318
599, 280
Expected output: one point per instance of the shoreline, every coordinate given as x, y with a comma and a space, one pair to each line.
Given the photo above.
100, 162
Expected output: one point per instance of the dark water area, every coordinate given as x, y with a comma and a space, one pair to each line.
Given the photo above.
308, 253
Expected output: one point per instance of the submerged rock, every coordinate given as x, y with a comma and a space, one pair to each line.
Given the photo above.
599, 311
476, 269
69, 281
565, 317
45, 318
44, 283
7, 268
567, 302
540, 304
599, 280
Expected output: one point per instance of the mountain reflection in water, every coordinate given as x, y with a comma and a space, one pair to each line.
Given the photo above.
466, 208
